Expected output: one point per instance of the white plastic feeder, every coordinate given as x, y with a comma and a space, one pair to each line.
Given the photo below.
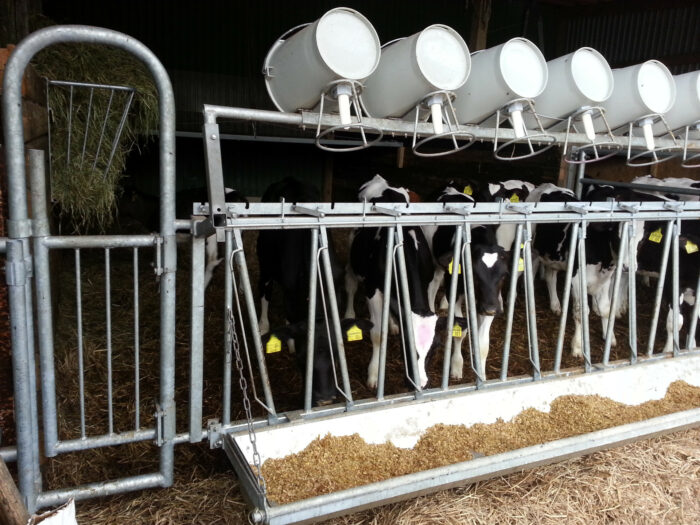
582, 79
331, 56
641, 94
500, 76
686, 108
420, 69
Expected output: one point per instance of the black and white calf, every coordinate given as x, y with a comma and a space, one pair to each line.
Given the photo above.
490, 268
284, 257
511, 190
368, 264
551, 245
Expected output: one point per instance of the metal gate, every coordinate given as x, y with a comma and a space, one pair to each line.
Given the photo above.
28, 253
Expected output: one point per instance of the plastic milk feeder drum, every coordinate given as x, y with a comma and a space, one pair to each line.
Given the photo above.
686, 108
576, 81
341, 47
641, 93
500, 75
418, 69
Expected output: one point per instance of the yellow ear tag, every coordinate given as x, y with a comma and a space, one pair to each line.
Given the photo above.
468, 190
273, 345
457, 331
354, 333
521, 265
691, 247
514, 198
656, 236
449, 269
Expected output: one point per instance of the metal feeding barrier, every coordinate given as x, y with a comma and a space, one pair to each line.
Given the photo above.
268, 430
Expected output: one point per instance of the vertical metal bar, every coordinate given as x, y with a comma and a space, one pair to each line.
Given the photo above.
566, 296
622, 251
81, 362
70, 126
137, 342
585, 334
632, 292
675, 286
104, 126
239, 258
335, 316
580, 173
406, 303
530, 300
660, 287
108, 314
311, 320
118, 133
27, 464
692, 327
42, 278
228, 356
215, 175
197, 338
87, 126
468, 278
512, 288
384, 335
451, 298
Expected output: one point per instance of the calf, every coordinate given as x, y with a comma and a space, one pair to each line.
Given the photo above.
368, 263
323, 389
490, 269
284, 256
510, 190
670, 182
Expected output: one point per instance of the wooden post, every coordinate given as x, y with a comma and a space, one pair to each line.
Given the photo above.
480, 24
12, 509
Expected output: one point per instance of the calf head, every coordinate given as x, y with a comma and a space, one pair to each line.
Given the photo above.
490, 268
323, 390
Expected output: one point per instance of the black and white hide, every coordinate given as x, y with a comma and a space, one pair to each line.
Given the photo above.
490, 268
323, 389
670, 182
513, 191
368, 264
284, 257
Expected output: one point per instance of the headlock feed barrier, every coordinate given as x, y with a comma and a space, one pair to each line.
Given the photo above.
266, 431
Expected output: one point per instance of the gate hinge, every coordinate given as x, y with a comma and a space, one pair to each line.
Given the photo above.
158, 265
214, 433
159, 416
16, 273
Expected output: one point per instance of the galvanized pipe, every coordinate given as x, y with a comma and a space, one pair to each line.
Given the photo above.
105, 440
694, 317
108, 322
384, 335
311, 322
512, 289
675, 285
660, 287
228, 341
566, 296
632, 292
468, 280
530, 299
613, 303
101, 241
451, 298
197, 337
583, 283
137, 344
81, 353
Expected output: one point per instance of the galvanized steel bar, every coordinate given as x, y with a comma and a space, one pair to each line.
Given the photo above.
105, 440
451, 297
87, 125
81, 358
335, 316
27, 463
407, 328
692, 327
101, 241
137, 344
566, 296
197, 337
108, 335
384, 335
622, 251
118, 133
104, 126
583, 283
512, 289
530, 301
228, 342
675, 286
311, 321
468, 282
70, 125
632, 291
239, 259
660, 287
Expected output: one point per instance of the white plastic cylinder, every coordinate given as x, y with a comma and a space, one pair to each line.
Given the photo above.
515, 69
436, 59
686, 108
342, 44
579, 79
639, 90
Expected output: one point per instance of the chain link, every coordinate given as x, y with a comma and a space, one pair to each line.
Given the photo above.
246, 402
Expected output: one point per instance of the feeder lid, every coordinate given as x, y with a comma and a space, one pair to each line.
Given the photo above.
656, 86
443, 57
348, 43
523, 67
592, 74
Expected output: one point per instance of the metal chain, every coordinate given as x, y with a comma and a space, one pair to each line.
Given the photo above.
246, 402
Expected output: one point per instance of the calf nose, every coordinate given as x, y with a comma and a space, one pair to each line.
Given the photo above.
490, 311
